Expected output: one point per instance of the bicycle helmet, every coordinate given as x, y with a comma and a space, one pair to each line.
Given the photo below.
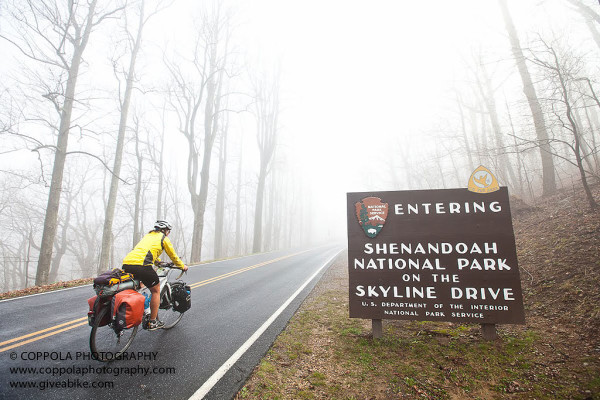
160, 225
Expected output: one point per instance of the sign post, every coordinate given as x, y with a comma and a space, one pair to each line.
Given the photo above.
488, 331
377, 327
433, 255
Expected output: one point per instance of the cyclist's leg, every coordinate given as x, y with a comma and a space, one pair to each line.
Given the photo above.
154, 301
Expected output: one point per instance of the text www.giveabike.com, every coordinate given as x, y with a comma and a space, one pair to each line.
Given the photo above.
61, 384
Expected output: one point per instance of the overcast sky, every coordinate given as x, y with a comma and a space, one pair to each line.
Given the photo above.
359, 75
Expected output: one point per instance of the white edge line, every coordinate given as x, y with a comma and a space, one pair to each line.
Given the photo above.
89, 284
38, 294
214, 378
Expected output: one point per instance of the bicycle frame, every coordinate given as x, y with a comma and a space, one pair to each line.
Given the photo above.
163, 272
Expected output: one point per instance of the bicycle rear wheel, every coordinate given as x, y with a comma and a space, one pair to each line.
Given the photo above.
166, 313
105, 343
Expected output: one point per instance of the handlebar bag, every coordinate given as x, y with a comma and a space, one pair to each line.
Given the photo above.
94, 303
182, 296
127, 309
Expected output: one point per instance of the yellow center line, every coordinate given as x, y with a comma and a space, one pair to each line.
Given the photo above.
193, 286
43, 336
38, 332
239, 271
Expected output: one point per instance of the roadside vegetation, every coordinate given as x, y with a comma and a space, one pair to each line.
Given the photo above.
45, 288
323, 354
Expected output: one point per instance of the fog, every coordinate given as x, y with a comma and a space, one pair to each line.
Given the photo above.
377, 96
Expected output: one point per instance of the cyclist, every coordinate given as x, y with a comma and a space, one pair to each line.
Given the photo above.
144, 255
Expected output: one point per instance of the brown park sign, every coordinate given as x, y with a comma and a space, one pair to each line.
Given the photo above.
433, 255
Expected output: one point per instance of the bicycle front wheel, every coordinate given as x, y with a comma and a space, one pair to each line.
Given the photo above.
166, 313
105, 343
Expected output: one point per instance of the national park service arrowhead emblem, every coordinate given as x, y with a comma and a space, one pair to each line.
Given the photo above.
371, 214
483, 181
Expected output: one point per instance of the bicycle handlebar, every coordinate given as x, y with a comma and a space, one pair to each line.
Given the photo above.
164, 264
180, 275
170, 265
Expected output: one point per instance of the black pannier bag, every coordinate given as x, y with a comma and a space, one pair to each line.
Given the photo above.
181, 294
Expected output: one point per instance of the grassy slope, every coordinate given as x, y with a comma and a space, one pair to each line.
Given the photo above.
323, 354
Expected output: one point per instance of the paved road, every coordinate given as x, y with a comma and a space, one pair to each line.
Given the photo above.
236, 314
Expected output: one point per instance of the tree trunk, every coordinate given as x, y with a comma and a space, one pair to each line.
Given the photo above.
220, 203
200, 201
573, 126
465, 138
258, 213
51, 218
476, 142
590, 17
159, 213
28, 257
593, 31
238, 205
586, 149
516, 149
548, 173
138, 191
267, 116
270, 228
61, 248
60, 155
212, 109
588, 116
505, 168
114, 183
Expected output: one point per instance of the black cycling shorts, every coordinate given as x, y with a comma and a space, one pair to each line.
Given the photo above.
146, 274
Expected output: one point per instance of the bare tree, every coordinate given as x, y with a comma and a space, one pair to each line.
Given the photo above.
563, 70
20, 216
238, 203
517, 152
134, 44
188, 95
486, 92
548, 173
463, 131
267, 118
61, 246
220, 201
86, 233
55, 35
137, 231
591, 17
160, 168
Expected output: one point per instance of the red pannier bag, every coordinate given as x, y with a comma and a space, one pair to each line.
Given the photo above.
127, 309
94, 303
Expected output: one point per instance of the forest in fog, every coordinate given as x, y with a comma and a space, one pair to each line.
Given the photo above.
245, 123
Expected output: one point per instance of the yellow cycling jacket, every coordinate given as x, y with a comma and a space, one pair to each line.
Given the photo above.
148, 249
